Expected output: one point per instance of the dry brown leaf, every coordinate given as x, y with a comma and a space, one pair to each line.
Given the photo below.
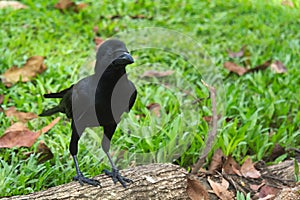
263, 66
195, 190
20, 116
209, 118
153, 73
221, 189
278, 67
232, 67
80, 7
12, 4
154, 108
63, 5
236, 54
95, 29
18, 135
44, 152
49, 126
257, 187
216, 162
231, 167
268, 191
33, 66
287, 3
248, 170
98, 41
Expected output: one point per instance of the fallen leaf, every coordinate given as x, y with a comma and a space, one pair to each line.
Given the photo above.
33, 66
95, 29
98, 41
278, 67
154, 108
21, 116
238, 54
248, 170
209, 118
268, 191
153, 73
195, 190
216, 161
231, 167
232, 67
287, 3
221, 189
80, 7
268, 197
257, 187
12, 4
18, 135
263, 66
63, 5
49, 126
44, 152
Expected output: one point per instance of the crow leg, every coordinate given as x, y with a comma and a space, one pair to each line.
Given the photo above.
114, 174
73, 150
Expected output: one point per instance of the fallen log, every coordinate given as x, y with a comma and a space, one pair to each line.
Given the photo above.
153, 181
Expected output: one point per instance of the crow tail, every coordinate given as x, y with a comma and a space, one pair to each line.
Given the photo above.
58, 94
54, 95
50, 111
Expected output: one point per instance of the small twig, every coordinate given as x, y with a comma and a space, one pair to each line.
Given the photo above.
212, 133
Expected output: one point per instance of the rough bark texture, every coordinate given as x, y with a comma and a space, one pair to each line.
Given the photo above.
167, 181
154, 181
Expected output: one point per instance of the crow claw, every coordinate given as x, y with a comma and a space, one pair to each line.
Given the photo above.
116, 176
81, 179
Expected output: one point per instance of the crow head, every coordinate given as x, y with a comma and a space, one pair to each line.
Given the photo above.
112, 54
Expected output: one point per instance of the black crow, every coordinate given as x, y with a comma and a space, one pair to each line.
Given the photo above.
99, 100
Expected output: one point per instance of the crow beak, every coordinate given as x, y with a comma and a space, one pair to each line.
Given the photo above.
124, 59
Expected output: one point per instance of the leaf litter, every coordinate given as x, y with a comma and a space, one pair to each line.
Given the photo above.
276, 66
18, 135
33, 66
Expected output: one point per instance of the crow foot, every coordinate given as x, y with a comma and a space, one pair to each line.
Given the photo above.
81, 179
116, 176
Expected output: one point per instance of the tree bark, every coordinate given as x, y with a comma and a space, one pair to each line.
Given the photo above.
164, 181
154, 181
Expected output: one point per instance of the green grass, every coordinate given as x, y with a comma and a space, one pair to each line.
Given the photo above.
264, 106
